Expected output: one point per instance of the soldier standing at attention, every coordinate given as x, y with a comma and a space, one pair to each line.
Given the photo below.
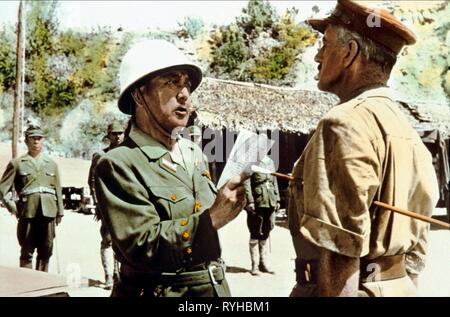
115, 137
363, 150
263, 200
157, 202
35, 178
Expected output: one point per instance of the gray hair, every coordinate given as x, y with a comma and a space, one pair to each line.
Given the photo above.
371, 50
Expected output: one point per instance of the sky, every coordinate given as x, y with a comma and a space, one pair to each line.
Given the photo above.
141, 15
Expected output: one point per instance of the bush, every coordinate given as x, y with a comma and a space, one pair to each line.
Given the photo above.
190, 27
244, 50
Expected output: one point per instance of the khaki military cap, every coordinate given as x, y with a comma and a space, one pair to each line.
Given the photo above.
34, 130
375, 23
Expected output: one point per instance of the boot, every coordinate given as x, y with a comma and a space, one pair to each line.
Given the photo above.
108, 266
254, 256
26, 264
42, 265
263, 257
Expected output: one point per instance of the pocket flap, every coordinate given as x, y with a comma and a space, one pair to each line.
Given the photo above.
172, 194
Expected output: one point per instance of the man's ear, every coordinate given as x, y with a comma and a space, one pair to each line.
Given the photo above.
137, 97
352, 53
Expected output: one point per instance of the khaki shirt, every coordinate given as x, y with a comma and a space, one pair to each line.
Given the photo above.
155, 209
363, 150
27, 174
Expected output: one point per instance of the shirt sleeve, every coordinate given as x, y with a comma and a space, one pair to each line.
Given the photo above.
6, 185
141, 237
59, 192
340, 181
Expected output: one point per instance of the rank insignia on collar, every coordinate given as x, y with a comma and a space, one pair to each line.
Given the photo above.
169, 165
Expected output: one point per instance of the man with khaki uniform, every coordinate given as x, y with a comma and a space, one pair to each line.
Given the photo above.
35, 178
263, 200
115, 136
154, 193
363, 150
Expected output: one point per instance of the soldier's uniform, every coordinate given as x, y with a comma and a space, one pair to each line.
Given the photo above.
154, 204
262, 191
110, 266
332, 208
37, 184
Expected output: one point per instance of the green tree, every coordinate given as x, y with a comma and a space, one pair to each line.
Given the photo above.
7, 60
261, 46
46, 91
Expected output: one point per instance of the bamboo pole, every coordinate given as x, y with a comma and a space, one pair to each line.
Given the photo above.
413, 215
387, 206
17, 90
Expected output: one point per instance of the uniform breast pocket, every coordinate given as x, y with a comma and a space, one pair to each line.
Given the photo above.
51, 177
25, 176
172, 202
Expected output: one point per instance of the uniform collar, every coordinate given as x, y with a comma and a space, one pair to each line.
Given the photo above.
28, 157
385, 92
152, 148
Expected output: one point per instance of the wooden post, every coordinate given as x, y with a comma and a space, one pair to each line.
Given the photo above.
17, 90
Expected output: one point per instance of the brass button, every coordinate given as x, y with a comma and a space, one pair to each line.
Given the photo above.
173, 197
188, 250
207, 174
183, 222
185, 235
197, 206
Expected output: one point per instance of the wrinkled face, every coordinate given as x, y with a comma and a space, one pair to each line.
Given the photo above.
115, 138
168, 99
34, 144
330, 59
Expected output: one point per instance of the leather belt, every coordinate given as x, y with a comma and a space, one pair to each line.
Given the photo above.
382, 268
39, 189
214, 273
379, 269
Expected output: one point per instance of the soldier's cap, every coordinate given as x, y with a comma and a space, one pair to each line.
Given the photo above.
115, 127
34, 130
375, 23
194, 130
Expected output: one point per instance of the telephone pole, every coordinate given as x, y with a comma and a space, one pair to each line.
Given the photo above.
18, 88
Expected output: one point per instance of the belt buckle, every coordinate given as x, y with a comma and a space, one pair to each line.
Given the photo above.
211, 273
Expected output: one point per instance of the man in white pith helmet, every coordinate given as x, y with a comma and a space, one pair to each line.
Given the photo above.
160, 208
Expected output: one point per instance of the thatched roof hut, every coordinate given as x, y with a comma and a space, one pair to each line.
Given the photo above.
234, 105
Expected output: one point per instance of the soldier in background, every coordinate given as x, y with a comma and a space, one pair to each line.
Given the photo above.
35, 178
114, 134
263, 200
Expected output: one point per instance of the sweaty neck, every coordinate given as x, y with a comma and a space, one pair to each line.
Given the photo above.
360, 77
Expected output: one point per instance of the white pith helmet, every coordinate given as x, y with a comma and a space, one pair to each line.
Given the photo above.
148, 59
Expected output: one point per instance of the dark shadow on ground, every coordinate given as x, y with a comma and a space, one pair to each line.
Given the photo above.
95, 283
235, 269
282, 222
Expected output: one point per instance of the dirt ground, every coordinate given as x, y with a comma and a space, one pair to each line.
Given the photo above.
77, 256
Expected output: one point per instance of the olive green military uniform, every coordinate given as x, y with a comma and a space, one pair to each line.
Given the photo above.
106, 237
363, 150
37, 183
109, 264
155, 205
262, 190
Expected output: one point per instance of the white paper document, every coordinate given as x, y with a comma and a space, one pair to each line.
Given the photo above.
249, 149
